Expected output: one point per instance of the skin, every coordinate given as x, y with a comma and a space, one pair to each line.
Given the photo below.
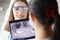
19, 13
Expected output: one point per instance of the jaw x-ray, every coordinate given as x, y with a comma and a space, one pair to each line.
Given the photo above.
21, 29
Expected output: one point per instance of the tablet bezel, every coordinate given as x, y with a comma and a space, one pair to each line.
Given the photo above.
19, 21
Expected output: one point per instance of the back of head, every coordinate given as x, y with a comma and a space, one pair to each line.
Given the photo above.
44, 10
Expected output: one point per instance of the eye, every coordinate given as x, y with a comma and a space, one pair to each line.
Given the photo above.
16, 9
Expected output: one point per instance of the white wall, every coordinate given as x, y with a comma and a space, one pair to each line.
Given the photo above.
59, 5
5, 5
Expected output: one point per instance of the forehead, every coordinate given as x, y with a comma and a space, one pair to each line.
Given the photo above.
20, 3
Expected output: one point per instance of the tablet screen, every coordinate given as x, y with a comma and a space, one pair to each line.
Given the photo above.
21, 29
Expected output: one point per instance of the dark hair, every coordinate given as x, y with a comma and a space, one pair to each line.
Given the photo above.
56, 35
46, 12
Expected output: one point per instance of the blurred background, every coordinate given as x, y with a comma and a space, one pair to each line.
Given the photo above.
4, 6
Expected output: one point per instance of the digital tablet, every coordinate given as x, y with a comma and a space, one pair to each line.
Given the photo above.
21, 29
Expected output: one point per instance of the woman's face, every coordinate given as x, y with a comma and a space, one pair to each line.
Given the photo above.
20, 10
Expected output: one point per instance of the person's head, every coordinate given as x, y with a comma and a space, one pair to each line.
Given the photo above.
16, 11
20, 9
44, 11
